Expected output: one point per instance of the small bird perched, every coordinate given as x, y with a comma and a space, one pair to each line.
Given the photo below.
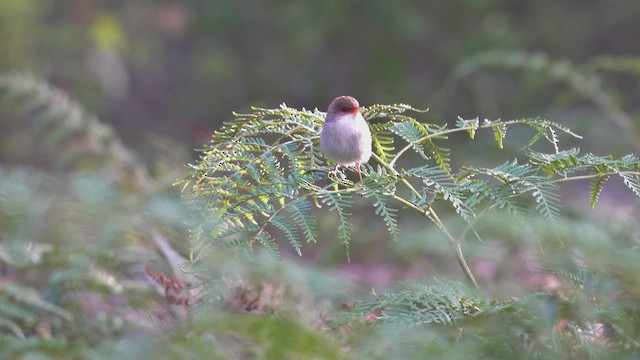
345, 136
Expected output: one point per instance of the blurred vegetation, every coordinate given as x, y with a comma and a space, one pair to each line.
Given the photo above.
101, 104
179, 69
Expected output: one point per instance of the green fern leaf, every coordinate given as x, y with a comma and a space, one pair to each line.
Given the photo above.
499, 132
373, 188
561, 162
266, 240
388, 111
32, 298
429, 174
313, 155
547, 201
60, 121
412, 134
523, 179
415, 304
471, 125
289, 229
243, 245
440, 184
534, 139
383, 145
300, 212
596, 188
339, 202
440, 155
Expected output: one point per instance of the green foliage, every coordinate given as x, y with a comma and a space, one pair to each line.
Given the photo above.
270, 337
63, 126
416, 304
66, 256
263, 168
587, 317
373, 189
339, 202
71, 248
68, 244
262, 172
587, 79
75, 242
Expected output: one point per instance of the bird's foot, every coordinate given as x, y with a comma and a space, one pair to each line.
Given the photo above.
335, 173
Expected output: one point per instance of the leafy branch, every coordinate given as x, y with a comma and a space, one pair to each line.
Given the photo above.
263, 172
585, 79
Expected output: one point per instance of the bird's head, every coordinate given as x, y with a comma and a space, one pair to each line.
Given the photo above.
341, 106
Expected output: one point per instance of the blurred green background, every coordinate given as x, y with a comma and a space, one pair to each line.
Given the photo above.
179, 68
165, 74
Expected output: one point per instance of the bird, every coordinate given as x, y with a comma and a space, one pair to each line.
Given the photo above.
345, 137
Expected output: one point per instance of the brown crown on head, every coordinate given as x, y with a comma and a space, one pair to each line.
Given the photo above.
344, 104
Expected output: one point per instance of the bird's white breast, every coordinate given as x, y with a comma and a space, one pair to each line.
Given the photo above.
346, 140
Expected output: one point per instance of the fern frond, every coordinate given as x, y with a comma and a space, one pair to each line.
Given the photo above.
583, 81
471, 125
300, 212
413, 134
59, 121
388, 111
266, 240
631, 180
440, 154
560, 162
548, 201
548, 130
523, 179
340, 202
596, 188
577, 278
416, 304
439, 184
289, 229
534, 139
260, 173
499, 132
32, 298
383, 145
380, 194
429, 174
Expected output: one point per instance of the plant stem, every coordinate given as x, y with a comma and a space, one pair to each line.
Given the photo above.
430, 215
591, 176
457, 248
396, 173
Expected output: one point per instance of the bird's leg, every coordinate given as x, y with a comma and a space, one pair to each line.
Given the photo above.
336, 172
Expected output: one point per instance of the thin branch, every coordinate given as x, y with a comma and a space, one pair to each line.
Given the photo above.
396, 173
430, 215
460, 129
591, 176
